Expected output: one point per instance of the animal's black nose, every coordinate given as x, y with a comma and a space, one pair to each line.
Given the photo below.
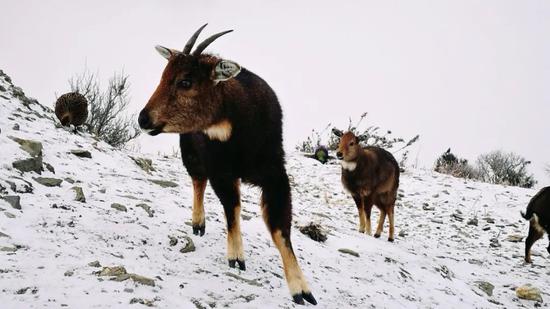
339, 155
144, 120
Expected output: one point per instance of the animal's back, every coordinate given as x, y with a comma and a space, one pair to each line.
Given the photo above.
539, 204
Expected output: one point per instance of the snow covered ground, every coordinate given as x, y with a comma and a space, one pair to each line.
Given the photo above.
454, 237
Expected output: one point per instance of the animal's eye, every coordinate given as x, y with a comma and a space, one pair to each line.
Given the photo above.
184, 84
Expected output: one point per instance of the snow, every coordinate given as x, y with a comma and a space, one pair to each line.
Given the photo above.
434, 262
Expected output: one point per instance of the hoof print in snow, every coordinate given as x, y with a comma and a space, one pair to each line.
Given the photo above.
81, 153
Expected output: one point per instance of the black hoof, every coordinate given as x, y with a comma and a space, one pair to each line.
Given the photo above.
376, 235
299, 298
198, 229
390, 239
233, 263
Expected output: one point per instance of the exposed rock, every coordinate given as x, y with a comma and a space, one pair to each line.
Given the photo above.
119, 207
48, 182
24, 290
473, 222
49, 167
249, 281
348, 251
147, 209
427, 207
13, 200
514, 238
22, 187
29, 165
112, 271
15, 127
189, 246
143, 280
79, 194
314, 231
529, 292
9, 215
173, 241
486, 287
34, 148
164, 183
81, 153
68, 273
94, 264
69, 180
4, 235
144, 164
143, 301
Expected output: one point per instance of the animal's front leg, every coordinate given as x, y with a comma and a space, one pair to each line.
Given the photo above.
380, 226
228, 191
361, 210
367, 204
198, 218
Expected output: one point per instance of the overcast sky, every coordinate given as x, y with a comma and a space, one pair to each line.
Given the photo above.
470, 75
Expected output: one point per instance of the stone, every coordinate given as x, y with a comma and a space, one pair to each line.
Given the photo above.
13, 200
189, 246
112, 271
173, 241
34, 148
48, 182
147, 209
29, 165
142, 280
164, 183
486, 287
79, 194
314, 231
348, 251
94, 264
142, 301
529, 292
249, 281
472, 221
49, 167
15, 127
9, 215
81, 153
514, 238
144, 164
23, 187
68, 273
427, 207
4, 235
119, 207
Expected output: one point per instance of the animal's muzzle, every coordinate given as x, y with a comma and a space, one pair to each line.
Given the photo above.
147, 125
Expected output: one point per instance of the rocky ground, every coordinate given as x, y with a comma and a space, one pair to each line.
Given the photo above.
85, 225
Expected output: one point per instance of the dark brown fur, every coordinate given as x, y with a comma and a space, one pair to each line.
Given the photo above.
71, 108
538, 214
371, 175
230, 130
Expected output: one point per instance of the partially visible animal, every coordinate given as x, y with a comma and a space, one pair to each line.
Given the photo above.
230, 126
71, 109
538, 214
371, 176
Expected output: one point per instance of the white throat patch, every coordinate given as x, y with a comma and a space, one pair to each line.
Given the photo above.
220, 131
350, 166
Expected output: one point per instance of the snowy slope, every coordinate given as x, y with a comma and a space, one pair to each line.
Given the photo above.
436, 261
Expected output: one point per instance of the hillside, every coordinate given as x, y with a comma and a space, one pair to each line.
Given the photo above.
455, 240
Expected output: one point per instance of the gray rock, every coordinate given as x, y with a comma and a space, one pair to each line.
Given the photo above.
249, 281
315, 231
69, 180
142, 301
348, 251
34, 148
48, 182
514, 238
9, 215
94, 264
13, 200
81, 153
79, 194
15, 127
147, 209
119, 207
22, 187
164, 183
529, 292
173, 241
29, 165
68, 273
189, 246
49, 167
142, 280
112, 271
473, 222
486, 287
4, 235
128, 290
144, 164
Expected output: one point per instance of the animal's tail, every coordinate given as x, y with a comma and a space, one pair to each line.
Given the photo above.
526, 216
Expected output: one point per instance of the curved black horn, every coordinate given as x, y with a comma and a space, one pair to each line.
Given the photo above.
192, 40
202, 46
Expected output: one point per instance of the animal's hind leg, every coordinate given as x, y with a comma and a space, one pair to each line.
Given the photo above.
380, 225
277, 214
535, 233
198, 220
228, 191
390, 219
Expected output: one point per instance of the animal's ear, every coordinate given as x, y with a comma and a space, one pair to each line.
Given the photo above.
224, 70
166, 52
337, 132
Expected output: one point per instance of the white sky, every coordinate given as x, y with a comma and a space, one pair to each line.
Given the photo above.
470, 75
